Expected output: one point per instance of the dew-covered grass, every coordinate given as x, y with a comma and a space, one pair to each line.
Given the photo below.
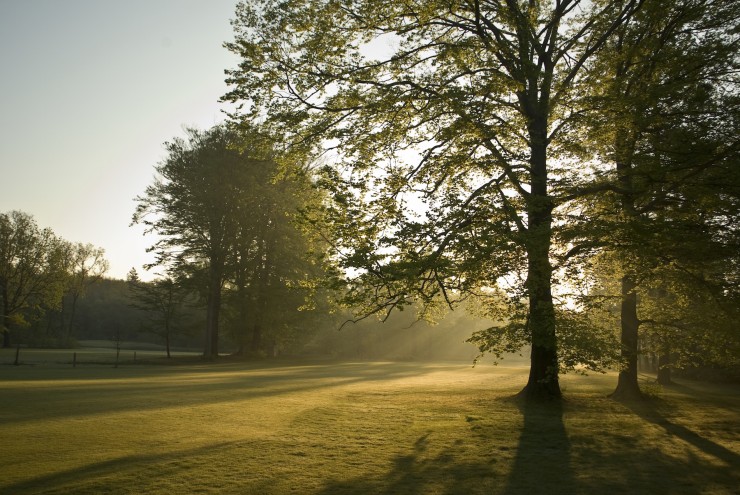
353, 428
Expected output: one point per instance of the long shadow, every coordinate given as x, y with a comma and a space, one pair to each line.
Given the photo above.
542, 463
419, 472
649, 410
115, 474
209, 386
633, 457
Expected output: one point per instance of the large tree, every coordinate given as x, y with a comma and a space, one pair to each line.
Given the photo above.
665, 88
192, 206
448, 118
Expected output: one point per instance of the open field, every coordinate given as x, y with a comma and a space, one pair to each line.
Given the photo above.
353, 428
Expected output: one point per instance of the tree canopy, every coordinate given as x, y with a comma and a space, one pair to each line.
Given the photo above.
451, 124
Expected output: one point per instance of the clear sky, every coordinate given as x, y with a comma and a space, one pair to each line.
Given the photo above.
89, 91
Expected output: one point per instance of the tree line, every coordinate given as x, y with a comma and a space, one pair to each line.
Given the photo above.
229, 218
43, 277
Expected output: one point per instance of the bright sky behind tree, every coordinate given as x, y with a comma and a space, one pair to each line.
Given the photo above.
90, 89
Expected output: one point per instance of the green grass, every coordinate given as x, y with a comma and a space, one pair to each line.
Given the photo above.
354, 428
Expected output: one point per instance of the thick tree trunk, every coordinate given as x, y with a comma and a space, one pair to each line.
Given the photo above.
543, 372
627, 386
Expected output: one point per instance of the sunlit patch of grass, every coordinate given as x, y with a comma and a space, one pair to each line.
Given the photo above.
357, 428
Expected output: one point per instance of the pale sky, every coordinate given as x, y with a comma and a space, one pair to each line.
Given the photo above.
89, 91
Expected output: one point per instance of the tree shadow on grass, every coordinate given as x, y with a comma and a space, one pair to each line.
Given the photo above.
426, 469
127, 474
542, 462
206, 386
635, 457
651, 411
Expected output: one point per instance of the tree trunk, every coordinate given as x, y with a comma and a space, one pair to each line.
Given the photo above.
167, 338
256, 337
5, 320
627, 386
664, 368
243, 322
212, 311
543, 372
72, 312
261, 303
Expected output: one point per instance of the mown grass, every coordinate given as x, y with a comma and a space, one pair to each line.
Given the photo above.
354, 428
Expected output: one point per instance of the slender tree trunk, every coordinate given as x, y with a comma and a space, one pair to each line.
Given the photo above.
627, 386
167, 338
5, 320
256, 337
243, 320
72, 311
263, 284
664, 368
212, 311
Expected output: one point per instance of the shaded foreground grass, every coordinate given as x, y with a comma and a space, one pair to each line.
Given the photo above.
354, 428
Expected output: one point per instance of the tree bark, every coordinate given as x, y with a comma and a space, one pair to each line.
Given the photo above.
543, 372
627, 386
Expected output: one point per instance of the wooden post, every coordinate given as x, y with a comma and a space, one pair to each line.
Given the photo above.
74, 359
17, 353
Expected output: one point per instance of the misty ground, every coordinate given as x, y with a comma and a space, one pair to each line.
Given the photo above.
352, 427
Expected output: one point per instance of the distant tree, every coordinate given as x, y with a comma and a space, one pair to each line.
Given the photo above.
31, 270
162, 299
107, 304
85, 265
223, 211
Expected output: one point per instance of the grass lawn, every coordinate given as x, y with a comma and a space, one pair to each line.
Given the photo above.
353, 428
